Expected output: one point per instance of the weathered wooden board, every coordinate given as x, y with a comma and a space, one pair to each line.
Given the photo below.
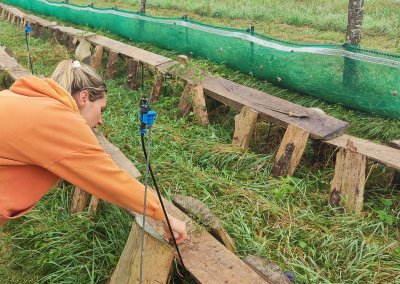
207, 260
11, 66
377, 152
269, 270
118, 157
348, 183
245, 123
276, 110
35, 19
290, 151
395, 144
146, 57
157, 257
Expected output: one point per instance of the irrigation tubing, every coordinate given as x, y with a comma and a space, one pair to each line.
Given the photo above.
162, 203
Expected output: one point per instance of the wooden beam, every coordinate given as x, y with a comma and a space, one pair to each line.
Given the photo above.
111, 64
396, 176
347, 186
290, 151
383, 154
199, 105
157, 257
245, 122
83, 51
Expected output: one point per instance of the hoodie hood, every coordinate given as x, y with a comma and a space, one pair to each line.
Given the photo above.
32, 86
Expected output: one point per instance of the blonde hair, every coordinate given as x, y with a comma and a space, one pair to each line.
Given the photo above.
76, 77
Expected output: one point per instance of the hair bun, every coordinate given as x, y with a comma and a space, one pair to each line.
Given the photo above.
76, 64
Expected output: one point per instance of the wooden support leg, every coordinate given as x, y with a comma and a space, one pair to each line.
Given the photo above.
78, 200
185, 102
94, 203
290, 151
83, 51
158, 258
396, 175
158, 82
133, 67
193, 97
245, 123
112, 64
347, 186
95, 60
199, 105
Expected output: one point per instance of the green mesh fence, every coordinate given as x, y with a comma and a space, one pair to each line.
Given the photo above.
363, 79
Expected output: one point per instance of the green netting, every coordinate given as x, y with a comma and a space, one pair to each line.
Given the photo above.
367, 80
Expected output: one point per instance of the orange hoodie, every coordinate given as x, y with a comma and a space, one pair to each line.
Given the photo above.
43, 138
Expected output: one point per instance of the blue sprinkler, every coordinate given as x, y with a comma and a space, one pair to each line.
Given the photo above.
147, 118
28, 29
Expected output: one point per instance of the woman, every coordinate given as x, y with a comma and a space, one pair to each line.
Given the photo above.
46, 134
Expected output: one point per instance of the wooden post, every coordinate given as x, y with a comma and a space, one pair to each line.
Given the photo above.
347, 186
95, 60
78, 200
396, 176
133, 66
112, 64
245, 123
290, 151
185, 102
94, 203
156, 90
143, 6
83, 51
199, 105
158, 257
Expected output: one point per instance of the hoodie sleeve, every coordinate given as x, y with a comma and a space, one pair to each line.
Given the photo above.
60, 141
93, 170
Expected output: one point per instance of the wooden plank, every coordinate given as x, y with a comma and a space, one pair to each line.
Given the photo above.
157, 257
42, 22
276, 110
348, 183
290, 151
395, 144
146, 57
377, 152
207, 260
185, 101
11, 66
245, 123
118, 157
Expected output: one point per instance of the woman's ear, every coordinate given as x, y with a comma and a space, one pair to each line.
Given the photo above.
82, 98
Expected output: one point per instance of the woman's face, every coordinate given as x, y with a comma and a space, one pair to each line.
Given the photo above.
91, 111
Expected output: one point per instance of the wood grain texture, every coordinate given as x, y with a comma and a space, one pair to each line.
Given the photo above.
273, 109
383, 154
112, 62
157, 258
245, 123
348, 183
290, 151
199, 105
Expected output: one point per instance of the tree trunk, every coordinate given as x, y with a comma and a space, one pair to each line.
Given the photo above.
355, 18
143, 6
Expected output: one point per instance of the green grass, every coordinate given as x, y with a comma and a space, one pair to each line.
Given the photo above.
287, 220
310, 21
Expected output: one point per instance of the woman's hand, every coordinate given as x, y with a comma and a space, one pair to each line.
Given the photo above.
178, 228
